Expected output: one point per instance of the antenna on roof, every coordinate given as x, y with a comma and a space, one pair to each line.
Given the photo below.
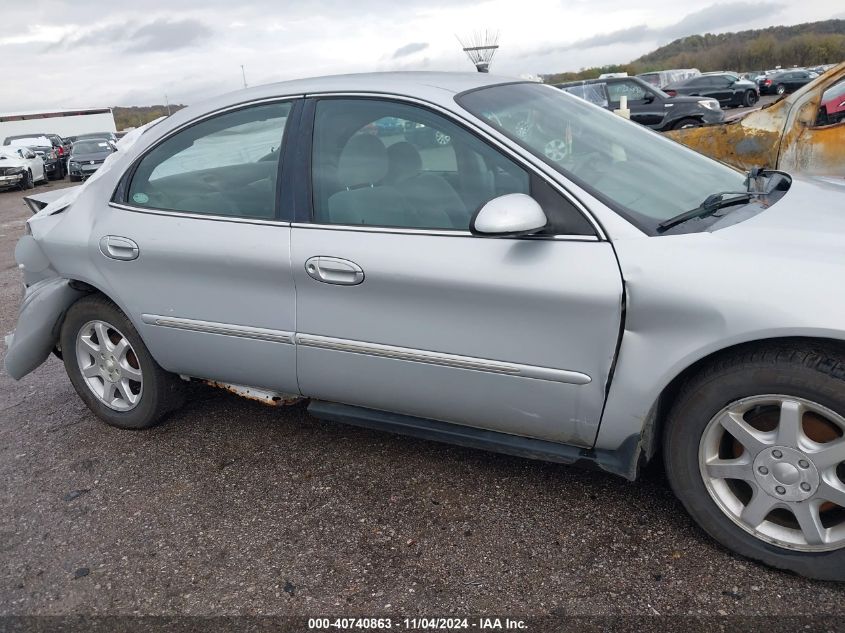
480, 48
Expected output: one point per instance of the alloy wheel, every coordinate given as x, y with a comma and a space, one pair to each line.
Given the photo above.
442, 139
109, 365
556, 150
775, 465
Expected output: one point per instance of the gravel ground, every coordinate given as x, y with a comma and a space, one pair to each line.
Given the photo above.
232, 507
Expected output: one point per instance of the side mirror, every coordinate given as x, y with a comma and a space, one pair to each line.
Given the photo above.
510, 215
648, 97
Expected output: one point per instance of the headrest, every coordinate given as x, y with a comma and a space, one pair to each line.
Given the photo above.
404, 161
363, 161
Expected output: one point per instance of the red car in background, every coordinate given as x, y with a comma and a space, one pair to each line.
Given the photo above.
832, 107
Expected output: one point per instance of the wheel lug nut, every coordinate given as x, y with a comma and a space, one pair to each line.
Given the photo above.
777, 454
780, 490
803, 463
763, 470
805, 487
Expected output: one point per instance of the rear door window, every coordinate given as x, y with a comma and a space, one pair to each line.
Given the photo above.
225, 165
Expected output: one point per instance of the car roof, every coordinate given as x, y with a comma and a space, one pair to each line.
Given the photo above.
436, 87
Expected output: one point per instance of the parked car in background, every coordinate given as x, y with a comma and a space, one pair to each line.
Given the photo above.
802, 133
87, 156
832, 108
661, 78
423, 135
728, 89
20, 167
44, 147
59, 144
786, 81
752, 75
620, 298
111, 136
649, 106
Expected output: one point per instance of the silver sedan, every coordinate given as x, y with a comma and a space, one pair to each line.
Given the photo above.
475, 260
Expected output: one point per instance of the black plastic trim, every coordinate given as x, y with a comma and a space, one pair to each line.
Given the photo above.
302, 162
622, 462
286, 180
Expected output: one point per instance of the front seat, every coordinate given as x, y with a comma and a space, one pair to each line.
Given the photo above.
435, 203
361, 167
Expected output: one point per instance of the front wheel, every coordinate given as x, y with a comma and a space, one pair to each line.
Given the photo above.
27, 182
686, 123
755, 450
111, 368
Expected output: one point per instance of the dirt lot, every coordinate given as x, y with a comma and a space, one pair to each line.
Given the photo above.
234, 508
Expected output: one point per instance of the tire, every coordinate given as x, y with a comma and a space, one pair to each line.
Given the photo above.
686, 123
798, 376
780, 89
56, 175
27, 182
156, 394
75, 178
750, 98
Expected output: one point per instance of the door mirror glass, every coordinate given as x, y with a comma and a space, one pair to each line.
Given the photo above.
648, 97
509, 215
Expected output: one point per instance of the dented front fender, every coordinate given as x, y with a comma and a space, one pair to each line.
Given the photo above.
39, 320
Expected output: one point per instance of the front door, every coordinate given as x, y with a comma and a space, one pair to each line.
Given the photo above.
401, 309
646, 107
198, 253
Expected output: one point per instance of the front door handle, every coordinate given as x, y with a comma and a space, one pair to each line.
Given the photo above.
333, 270
115, 247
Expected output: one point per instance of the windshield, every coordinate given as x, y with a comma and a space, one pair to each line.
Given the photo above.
637, 172
90, 147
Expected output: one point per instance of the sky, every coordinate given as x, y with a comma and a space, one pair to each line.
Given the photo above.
94, 53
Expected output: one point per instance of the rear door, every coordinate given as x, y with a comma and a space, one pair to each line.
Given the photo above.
196, 248
401, 309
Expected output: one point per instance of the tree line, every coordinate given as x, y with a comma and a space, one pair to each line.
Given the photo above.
136, 116
809, 44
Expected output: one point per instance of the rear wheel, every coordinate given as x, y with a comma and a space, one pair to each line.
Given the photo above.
111, 368
755, 450
750, 98
780, 89
686, 123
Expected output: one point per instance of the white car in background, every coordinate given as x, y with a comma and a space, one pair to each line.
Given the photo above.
20, 167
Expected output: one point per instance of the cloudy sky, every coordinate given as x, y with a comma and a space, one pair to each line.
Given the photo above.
57, 53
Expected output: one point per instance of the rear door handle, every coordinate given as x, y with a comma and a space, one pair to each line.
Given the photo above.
116, 247
333, 270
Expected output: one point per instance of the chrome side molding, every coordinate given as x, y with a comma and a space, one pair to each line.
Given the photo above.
372, 349
226, 329
445, 360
